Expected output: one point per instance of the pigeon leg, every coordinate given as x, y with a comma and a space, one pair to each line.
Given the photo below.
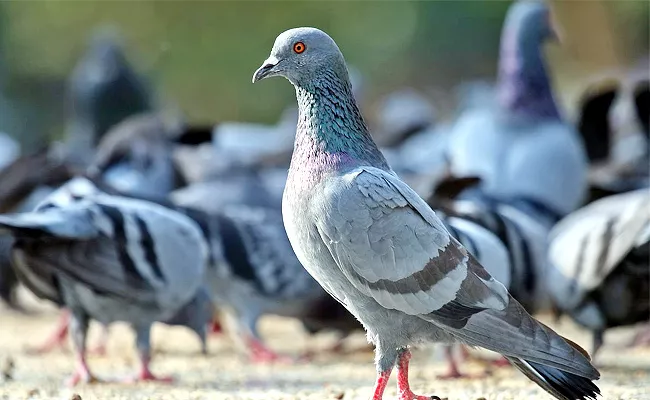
57, 337
385, 357
259, 352
215, 327
642, 339
403, 387
453, 372
500, 362
100, 349
79, 327
380, 385
143, 335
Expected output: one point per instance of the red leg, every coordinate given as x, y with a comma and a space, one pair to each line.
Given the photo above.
145, 374
453, 372
56, 338
215, 327
380, 385
100, 349
500, 362
82, 373
259, 353
403, 387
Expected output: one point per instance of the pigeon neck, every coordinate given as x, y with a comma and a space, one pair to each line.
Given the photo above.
523, 84
331, 131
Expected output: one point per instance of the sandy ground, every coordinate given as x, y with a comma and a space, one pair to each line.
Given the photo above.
225, 373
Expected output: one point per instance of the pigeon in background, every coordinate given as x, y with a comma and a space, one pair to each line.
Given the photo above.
109, 258
613, 126
103, 89
598, 272
522, 150
254, 272
136, 156
401, 114
375, 245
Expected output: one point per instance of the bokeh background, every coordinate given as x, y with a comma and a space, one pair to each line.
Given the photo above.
199, 55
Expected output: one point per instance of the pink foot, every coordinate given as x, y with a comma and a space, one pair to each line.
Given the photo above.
57, 338
147, 376
410, 396
216, 328
500, 362
261, 354
99, 350
82, 375
403, 387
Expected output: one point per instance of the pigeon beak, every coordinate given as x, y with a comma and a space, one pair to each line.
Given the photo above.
266, 69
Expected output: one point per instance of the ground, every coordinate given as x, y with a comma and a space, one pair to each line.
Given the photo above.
225, 375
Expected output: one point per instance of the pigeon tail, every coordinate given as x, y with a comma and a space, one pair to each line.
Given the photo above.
561, 384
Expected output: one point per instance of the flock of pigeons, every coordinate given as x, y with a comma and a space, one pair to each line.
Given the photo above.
143, 219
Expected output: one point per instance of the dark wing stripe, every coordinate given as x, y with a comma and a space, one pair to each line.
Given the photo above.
149, 248
236, 253
605, 244
120, 240
579, 264
434, 271
528, 270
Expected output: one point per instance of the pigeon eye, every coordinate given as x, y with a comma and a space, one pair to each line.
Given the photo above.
299, 47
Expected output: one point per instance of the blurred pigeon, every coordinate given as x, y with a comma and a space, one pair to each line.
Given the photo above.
599, 272
376, 246
102, 91
110, 259
520, 148
254, 272
136, 156
243, 186
402, 114
523, 239
613, 126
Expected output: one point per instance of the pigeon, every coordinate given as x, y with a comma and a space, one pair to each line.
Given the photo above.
103, 89
520, 148
136, 156
109, 258
613, 126
254, 272
598, 269
376, 246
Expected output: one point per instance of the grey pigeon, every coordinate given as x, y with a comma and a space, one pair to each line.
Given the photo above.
521, 148
103, 89
137, 156
109, 258
379, 249
254, 272
599, 273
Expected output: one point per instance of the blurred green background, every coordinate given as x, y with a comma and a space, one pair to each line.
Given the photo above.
200, 55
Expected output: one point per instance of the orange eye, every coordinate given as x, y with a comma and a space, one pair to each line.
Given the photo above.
299, 47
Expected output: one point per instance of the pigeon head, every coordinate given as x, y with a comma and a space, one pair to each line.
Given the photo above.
300, 55
532, 19
523, 83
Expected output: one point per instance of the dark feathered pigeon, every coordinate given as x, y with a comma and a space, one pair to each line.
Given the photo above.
377, 247
599, 271
109, 258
